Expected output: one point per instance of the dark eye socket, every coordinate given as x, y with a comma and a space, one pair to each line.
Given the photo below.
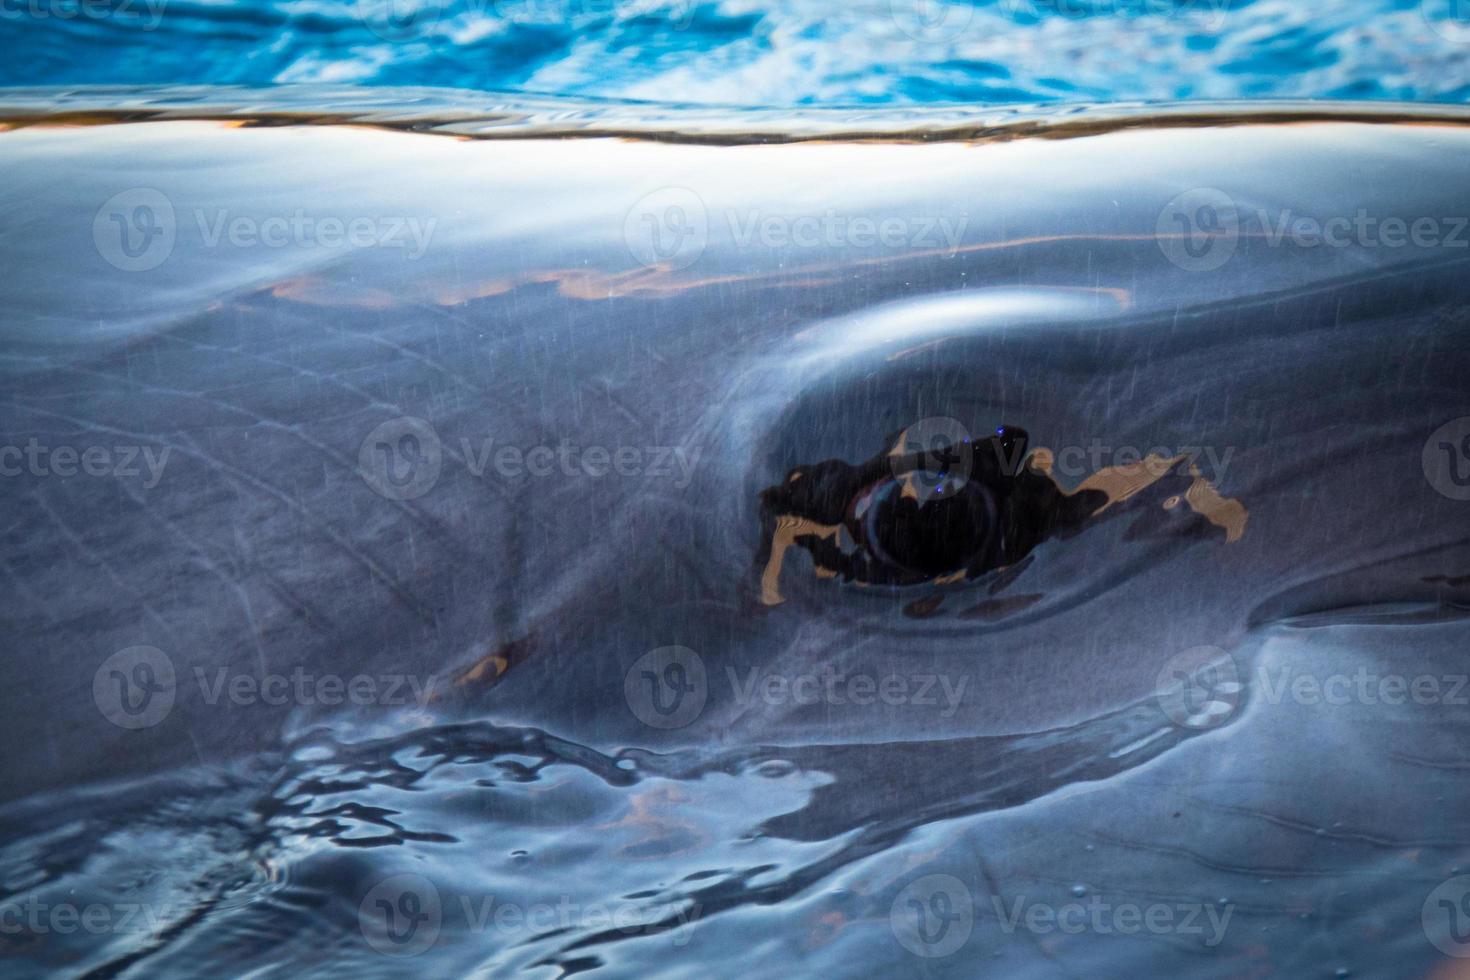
921, 511
924, 523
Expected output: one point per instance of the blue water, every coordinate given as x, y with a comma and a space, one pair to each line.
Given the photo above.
758, 52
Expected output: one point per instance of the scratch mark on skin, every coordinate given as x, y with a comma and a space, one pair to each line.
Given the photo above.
231, 582
409, 353
407, 507
23, 587
399, 591
87, 550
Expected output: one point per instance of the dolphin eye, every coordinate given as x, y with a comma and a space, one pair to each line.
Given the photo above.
935, 506
924, 523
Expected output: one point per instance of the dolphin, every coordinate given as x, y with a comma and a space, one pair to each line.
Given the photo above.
357, 433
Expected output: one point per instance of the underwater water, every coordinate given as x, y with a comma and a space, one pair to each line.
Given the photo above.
560, 556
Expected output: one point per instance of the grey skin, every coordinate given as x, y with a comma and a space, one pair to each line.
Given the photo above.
533, 315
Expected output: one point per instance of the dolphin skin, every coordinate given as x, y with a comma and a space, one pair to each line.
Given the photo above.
1044, 530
